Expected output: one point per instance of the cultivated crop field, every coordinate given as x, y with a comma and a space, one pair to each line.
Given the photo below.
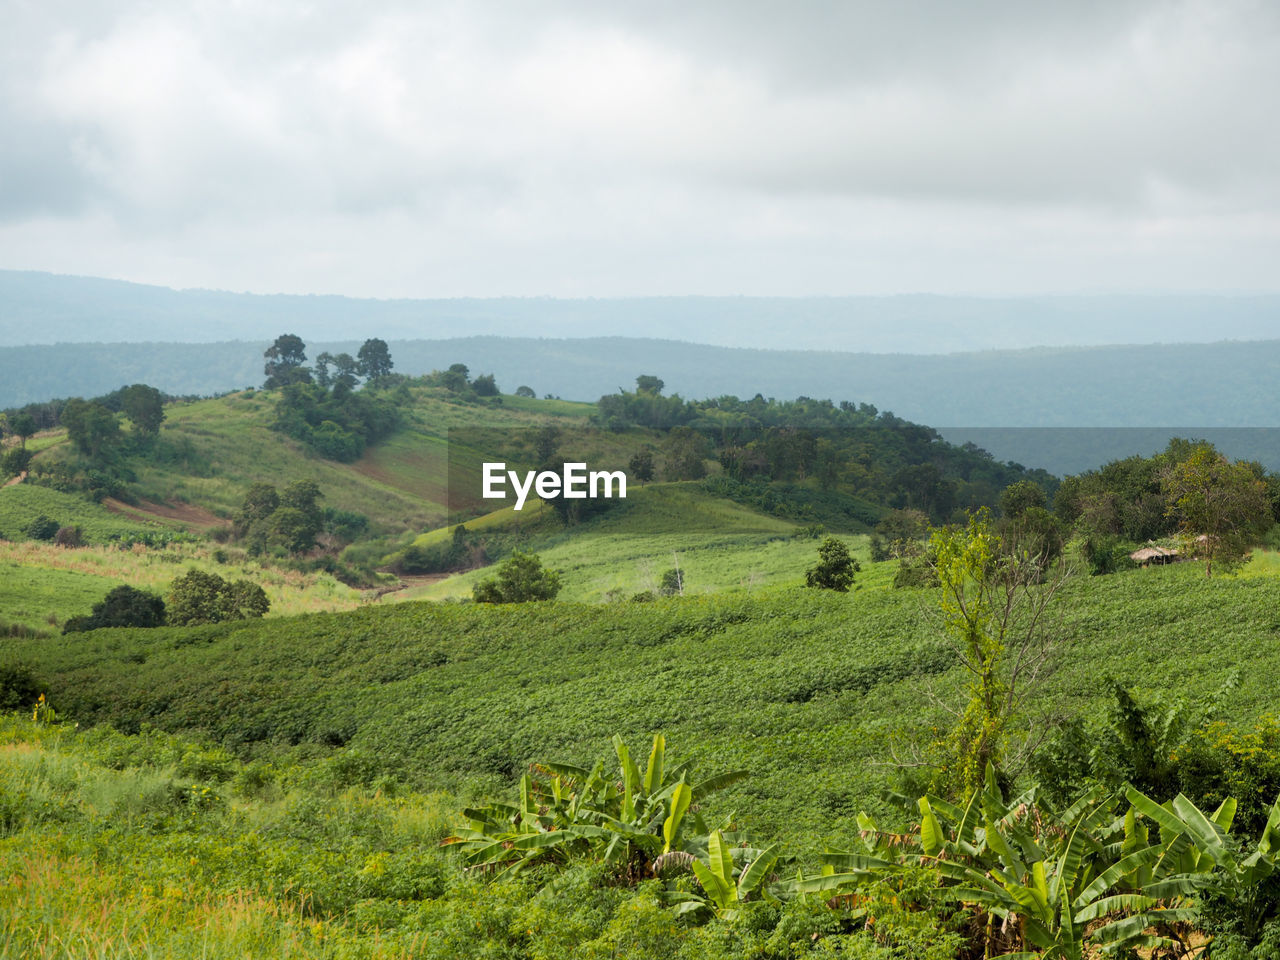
310, 766
806, 689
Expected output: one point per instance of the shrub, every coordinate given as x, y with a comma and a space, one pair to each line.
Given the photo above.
123, 606
672, 583
18, 687
69, 536
198, 597
520, 579
835, 567
15, 461
42, 528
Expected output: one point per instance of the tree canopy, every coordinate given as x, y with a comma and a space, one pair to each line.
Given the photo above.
285, 359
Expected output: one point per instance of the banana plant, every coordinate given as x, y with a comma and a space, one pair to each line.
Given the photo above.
571, 811
1055, 882
725, 885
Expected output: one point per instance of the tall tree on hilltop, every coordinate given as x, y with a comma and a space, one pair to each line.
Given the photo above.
374, 359
144, 406
285, 359
647, 383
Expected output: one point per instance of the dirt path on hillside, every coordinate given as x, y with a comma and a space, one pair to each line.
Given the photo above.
409, 581
186, 513
16, 480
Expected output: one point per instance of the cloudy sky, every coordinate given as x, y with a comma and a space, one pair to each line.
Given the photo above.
600, 148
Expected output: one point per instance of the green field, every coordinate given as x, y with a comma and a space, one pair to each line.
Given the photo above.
805, 688
718, 544
22, 503
40, 599
322, 757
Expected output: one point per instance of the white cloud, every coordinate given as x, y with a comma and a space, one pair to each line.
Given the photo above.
594, 148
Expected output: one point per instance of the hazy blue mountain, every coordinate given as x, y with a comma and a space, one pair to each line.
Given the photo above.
1219, 385
47, 308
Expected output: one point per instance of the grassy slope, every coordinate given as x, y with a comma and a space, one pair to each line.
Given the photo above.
225, 444
42, 585
40, 599
22, 503
718, 544
805, 689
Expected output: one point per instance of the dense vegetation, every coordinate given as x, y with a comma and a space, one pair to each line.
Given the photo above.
953, 746
807, 690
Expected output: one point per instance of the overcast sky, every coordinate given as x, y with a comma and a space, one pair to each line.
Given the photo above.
602, 148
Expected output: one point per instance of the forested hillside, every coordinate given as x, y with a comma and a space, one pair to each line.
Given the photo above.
1162, 390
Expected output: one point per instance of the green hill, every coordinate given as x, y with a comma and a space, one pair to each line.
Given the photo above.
717, 544
213, 450
806, 689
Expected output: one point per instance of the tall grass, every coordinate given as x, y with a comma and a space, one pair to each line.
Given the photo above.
47, 584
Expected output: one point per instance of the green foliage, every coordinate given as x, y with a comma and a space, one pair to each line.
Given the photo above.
640, 467
19, 687
260, 501
339, 423
42, 527
462, 551
1064, 881
374, 359
1018, 497
899, 535
993, 603
14, 461
1223, 508
671, 583
92, 428
285, 359
23, 426
290, 519
144, 406
198, 597
1105, 554
123, 606
835, 567
641, 824
521, 579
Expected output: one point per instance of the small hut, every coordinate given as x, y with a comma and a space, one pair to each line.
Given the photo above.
1153, 554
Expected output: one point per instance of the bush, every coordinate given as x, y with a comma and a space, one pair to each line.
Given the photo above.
198, 597
69, 536
520, 579
1105, 554
672, 583
42, 528
18, 687
15, 461
123, 606
835, 567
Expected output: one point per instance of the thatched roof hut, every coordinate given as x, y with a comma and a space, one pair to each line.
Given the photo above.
1154, 554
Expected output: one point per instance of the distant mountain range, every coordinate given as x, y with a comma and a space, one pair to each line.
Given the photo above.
1150, 391
43, 308
66, 336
